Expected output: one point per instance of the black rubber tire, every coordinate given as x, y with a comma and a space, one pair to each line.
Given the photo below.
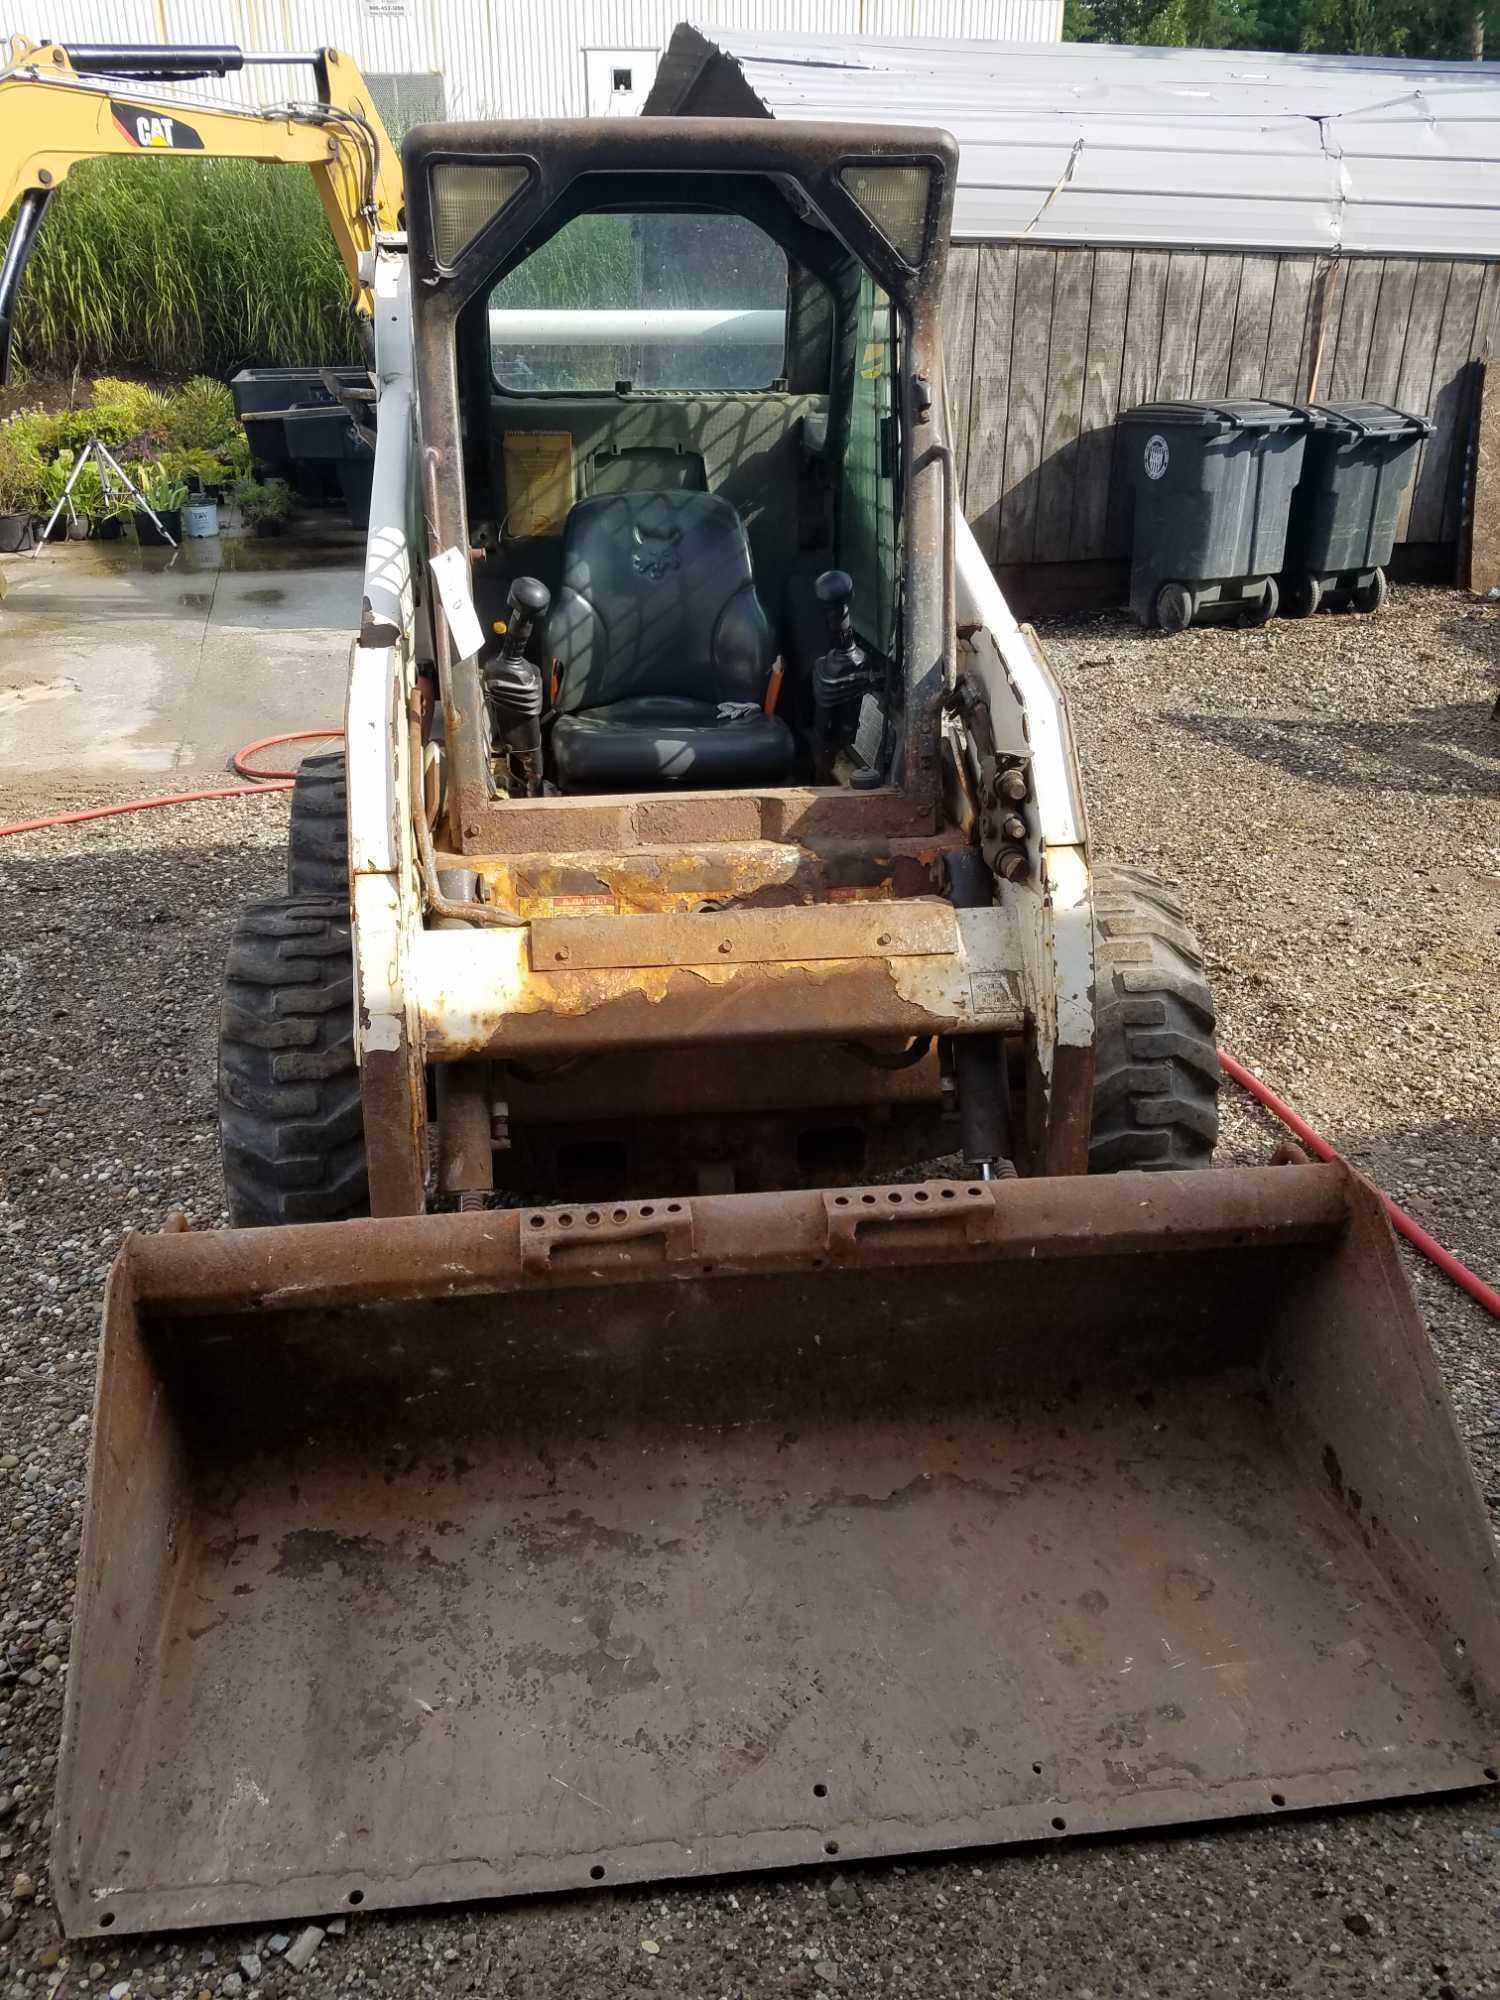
1368, 597
1156, 1062
1172, 607
291, 1126
317, 859
1302, 596
1262, 609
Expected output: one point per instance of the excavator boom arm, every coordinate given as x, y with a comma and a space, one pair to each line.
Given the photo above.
59, 106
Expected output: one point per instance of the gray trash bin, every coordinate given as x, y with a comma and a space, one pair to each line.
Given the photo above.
1356, 469
1212, 485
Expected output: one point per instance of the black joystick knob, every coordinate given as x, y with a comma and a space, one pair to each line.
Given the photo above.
528, 601
834, 590
841, 677
513, 688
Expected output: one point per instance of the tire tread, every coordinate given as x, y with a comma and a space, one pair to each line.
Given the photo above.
317, 861
1156, 1063
291, 1122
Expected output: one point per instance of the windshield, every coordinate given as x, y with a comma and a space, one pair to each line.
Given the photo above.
656, 300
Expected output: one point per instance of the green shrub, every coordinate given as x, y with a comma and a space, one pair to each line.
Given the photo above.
166, 265
200, 417
37, 430
269, 503
131, 406
133, 422
22, 474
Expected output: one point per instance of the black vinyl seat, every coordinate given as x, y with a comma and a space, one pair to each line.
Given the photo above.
663, 650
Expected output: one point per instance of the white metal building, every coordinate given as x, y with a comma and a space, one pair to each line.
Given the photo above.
1081, 143
497, 58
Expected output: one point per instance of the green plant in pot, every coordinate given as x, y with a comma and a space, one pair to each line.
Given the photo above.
54, 478
199, 471
235, 460
266, 508
87, 501
166, 496
21, 491
54, 486
111, 512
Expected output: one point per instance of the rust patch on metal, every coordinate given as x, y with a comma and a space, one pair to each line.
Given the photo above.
808, 815
732, 875
514, 1011
395, 1132
747, 937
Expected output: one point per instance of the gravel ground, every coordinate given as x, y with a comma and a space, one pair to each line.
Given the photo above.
1327, 792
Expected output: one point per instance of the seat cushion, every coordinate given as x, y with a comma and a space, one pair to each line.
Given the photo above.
657, 598
659, 741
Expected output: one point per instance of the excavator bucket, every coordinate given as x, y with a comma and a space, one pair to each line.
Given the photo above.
470, 1555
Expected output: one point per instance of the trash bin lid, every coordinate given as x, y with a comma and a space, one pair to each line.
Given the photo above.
1367, 420
1231, 413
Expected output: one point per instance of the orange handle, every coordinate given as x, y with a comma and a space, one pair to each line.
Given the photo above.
773, 689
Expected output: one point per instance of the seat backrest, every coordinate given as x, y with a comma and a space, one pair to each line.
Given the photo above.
657, 598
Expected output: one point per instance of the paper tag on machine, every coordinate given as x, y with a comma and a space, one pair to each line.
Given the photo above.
450, 572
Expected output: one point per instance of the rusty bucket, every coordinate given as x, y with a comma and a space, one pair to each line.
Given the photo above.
471, 1555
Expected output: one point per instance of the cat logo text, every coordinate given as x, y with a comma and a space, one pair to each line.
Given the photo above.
154, 130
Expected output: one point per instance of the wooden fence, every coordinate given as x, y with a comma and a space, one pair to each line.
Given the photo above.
1047, 346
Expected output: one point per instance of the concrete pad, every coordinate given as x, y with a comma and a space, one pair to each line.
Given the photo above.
117, 661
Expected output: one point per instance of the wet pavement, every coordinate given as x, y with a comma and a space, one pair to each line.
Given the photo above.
117, 660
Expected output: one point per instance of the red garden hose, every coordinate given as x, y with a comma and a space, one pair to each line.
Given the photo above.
264, 781
242, 769
281, 781
1401, 1222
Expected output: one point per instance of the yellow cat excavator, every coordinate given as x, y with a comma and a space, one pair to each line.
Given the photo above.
606, 1447
60, 104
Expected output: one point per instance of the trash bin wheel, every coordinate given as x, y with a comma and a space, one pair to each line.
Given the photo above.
1262, 609
1173, 607
1302, 596
1370, 592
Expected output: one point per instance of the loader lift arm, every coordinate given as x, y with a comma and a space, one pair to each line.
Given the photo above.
60, 104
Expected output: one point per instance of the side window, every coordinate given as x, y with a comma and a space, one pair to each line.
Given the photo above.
687, 302
869, 516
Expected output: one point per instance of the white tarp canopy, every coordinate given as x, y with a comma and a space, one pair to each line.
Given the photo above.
1079, 143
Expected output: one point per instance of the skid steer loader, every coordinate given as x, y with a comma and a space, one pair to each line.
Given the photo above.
606, 1448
